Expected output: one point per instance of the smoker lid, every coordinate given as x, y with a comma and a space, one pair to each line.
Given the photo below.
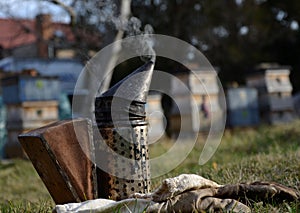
137, 85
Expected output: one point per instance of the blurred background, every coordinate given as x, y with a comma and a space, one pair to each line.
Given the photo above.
234, 35
253, 45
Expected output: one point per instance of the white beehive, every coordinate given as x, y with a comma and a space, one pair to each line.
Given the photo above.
190, 90
155, 117
274, 91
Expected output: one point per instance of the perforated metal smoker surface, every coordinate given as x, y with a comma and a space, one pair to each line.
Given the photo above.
121, 143
130, 176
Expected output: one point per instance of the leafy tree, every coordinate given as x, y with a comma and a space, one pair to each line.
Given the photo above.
235, 35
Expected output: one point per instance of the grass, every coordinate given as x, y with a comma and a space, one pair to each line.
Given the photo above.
269, 153
21, 188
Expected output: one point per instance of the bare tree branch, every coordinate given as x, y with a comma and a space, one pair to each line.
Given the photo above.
108, 62
124, 15
69, 9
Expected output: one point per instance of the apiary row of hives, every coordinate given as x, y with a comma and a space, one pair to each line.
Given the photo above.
197, 102
31, 102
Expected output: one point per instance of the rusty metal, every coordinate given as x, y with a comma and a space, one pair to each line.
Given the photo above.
64, 159
123, 129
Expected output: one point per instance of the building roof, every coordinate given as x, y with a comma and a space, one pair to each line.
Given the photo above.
19, 32
16, 33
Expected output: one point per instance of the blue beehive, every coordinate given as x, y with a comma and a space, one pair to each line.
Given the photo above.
31, 102
242, 107
21, 88
3, 132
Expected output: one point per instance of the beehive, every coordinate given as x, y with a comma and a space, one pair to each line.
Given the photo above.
31, 102
22, 88
155, 117
31, 114
190, 90
296, 101
23, 117
242, 105
3, 132
274, 92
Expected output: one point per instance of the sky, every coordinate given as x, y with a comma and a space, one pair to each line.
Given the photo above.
30, 8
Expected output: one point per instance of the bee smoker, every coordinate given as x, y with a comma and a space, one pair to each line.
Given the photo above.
121, 121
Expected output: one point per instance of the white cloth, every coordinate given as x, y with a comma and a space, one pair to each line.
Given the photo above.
171, 187
105, 206
184, 193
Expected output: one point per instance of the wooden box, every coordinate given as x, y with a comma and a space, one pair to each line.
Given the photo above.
243, 97
242, 106
197, 82
274, 92
21, 88
187, 124
13, 148
189, 91
276, 103
272, 80
296, 101
155, 117
243, 117
204, 82
278, 117
31, 114
211, 100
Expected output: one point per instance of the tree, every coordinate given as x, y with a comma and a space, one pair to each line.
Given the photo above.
235, 35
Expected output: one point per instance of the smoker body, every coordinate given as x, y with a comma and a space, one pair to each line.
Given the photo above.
122, 126
120, 186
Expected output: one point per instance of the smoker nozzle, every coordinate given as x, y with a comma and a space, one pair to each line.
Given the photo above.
127, 98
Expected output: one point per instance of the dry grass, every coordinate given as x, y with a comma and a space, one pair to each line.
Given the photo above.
270, 153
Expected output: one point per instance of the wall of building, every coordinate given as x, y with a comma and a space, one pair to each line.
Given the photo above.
26, 51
